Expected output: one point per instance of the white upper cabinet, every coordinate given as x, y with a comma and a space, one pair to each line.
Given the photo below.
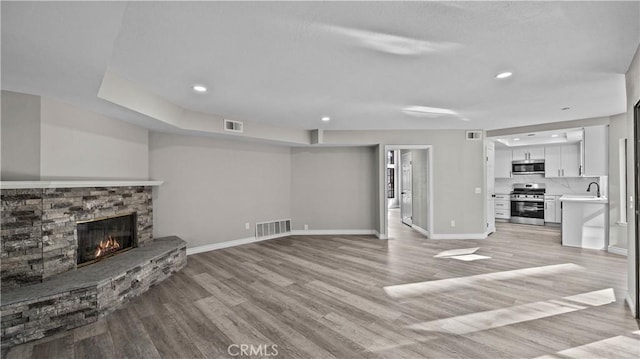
596, 151
519, 154
562, 160
503, 163
571, 160
536, 153
553, 161
528, 153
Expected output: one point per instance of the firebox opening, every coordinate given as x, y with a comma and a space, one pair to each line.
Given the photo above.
99, 239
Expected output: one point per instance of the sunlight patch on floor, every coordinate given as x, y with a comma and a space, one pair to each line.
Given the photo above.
470, 257
479, 321
617, 347
420, 288
456, 252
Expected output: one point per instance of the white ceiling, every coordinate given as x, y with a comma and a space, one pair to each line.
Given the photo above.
540, 138
291, 63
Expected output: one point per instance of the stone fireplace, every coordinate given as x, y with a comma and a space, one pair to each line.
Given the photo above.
74, 251
103, 238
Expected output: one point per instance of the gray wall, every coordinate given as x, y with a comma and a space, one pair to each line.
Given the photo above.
334, 188
46, 139
20, 137
213, 187
458, 168
78, 144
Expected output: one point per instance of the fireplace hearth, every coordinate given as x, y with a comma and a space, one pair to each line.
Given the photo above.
50, 230
103, 238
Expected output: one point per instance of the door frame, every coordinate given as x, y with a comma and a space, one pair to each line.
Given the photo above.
636, 210
490, 179
383, 213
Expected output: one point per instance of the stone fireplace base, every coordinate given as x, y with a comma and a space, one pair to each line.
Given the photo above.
80, 297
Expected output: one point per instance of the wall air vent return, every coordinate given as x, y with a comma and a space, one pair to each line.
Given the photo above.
474, 135
273, 228
233, 126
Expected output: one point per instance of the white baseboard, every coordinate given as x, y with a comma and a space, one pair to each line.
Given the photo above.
324, 232
630, 303
319, 232
616, 250
333, 232
233, 243
459, 236
420, 230
220, 245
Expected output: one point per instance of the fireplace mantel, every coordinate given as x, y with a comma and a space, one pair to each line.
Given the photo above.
75, 184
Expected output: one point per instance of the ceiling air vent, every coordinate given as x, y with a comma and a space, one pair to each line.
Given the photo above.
474, 135
233, 126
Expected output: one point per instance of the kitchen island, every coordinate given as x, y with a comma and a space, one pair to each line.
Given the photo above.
585, 221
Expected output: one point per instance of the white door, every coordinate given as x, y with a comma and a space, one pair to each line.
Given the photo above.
490, 191
406, 208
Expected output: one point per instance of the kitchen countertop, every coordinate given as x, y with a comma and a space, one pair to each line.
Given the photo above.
584, 199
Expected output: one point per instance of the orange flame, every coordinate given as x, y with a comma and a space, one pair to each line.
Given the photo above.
106, 246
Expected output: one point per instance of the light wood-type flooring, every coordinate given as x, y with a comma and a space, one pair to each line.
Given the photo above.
517, 294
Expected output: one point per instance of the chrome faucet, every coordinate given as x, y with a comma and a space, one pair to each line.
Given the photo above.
598, 188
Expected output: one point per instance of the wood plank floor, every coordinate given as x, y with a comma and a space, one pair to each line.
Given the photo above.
520, 294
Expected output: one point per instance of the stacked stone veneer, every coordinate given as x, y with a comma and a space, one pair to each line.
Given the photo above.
80, 297
38, 226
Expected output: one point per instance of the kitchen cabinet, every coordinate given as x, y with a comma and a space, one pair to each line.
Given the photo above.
562, 160
595, 151
585, 222
502, 165
558, 210
551, 209
502, 206
528, 153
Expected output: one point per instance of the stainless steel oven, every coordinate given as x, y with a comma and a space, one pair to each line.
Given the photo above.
527, 203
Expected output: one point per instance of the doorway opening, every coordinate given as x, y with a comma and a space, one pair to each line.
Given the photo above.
407, 208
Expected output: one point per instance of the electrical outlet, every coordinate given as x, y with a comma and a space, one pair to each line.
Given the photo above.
306, 227
247, 225
478, 190
453, 223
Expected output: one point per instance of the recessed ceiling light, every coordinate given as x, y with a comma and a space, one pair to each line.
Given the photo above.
556, 135
326, 119
504, 75
516, 139
565, 108
199, 88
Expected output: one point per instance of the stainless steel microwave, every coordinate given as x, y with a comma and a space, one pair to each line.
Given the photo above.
527, 167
